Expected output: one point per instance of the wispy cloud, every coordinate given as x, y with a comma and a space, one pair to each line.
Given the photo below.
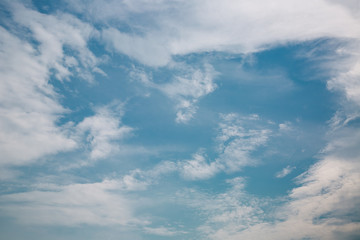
70, 205
161, 231
346, 71
284, 172
235, 143
239, 136
140, 179
226, 213
322, 207
185, 88
173, 28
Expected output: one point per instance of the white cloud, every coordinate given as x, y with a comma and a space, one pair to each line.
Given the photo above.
104, 130
30, 106
135, 181
285, 127
163, 29
56, 32
70, 205
347, 81
322, 208
284, 172
140, 179
339, 61
198, 167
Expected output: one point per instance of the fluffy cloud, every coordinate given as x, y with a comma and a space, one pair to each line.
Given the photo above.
55, 33
30, 106
198, 168
104, 130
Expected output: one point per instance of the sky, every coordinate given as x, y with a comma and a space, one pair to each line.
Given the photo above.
184, 120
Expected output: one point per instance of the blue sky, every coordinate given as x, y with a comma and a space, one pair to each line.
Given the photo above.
155, 119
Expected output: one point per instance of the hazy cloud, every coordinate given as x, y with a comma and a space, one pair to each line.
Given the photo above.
70, 205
